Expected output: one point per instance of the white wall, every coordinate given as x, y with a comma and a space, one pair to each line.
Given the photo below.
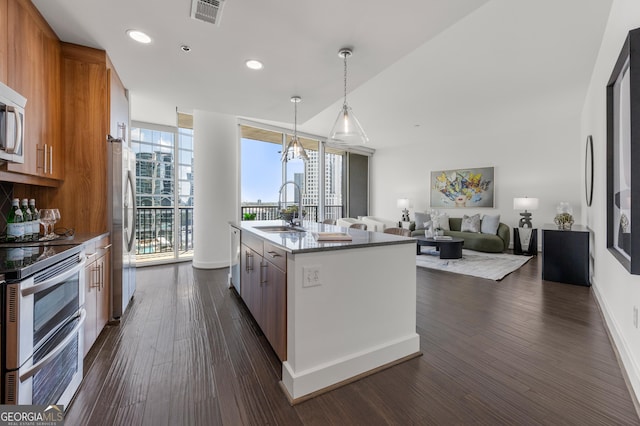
617, 290
215, 188
485, 101
152, 110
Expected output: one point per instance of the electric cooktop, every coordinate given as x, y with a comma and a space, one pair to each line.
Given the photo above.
20, 261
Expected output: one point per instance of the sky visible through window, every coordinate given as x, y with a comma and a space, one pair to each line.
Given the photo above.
261, 171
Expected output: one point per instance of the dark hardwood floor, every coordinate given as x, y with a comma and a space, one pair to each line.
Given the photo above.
519, 351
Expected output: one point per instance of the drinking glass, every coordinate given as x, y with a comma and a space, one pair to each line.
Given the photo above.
46, 219
56, 218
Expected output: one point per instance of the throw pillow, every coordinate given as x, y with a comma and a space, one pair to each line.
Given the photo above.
441, 221
490, 224
470, 223
422, 218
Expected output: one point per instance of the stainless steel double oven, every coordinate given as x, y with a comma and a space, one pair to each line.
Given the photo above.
42, 324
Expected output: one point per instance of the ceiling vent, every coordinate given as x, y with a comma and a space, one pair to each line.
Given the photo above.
207, 10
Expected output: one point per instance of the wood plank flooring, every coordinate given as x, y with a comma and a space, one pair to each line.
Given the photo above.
520, 351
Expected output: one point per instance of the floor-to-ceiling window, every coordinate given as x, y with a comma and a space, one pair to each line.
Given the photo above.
164, 190
263, 173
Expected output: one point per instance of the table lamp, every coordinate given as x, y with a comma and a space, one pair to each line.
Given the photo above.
404, 204
525, 204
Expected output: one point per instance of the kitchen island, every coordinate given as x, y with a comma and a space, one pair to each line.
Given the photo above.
346, 309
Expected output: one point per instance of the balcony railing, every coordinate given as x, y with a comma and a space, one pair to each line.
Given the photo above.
155, 226
270, 212
155, 230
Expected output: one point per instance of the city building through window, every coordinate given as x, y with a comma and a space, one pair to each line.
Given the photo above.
263, 173
164, 190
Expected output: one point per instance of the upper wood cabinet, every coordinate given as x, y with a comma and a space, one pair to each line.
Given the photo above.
33, 70
92, 94
4, 41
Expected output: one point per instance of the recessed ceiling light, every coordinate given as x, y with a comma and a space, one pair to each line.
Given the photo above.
139, 36
254, 64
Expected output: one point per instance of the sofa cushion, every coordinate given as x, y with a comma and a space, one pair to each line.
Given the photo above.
441, 221
470, 223
479, 242
455, 223
421, 219
490, 224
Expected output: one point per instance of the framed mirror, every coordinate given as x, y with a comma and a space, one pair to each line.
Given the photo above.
588, 171
623, 156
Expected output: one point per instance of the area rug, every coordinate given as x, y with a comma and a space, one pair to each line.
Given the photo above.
492, 266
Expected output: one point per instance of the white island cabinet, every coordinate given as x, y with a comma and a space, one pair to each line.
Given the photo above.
350, 305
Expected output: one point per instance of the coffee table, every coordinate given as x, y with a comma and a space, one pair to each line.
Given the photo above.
448, 248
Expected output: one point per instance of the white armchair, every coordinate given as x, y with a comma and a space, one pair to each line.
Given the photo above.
377, 224
346, 222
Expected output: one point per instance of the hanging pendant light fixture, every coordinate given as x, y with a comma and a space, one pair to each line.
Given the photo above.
347, 128
294, 147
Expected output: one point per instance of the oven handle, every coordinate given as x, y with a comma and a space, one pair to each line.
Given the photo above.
54, 352
55, 280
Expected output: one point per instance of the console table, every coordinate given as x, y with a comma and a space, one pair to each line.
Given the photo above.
565, 255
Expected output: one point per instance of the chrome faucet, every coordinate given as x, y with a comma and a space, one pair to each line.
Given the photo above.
293, 217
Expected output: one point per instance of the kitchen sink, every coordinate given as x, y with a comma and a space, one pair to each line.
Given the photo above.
279, 229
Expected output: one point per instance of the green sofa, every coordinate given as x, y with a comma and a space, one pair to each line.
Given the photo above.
474, 240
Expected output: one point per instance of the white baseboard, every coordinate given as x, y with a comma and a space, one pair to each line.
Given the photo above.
627, 362
301, 383
210, 265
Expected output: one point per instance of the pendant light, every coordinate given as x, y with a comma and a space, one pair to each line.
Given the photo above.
347, 129
294, 147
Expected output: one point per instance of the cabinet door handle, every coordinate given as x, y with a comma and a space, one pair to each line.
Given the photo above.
45, 158
248, 257
274, 254
96, 278
263, 280
51, 159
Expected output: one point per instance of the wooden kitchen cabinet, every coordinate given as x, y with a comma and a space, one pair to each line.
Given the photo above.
95, 102
263, 288
274, 308
33, 69
250, 262
4, 39
97, 289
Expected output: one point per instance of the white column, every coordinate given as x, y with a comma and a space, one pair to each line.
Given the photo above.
216, 178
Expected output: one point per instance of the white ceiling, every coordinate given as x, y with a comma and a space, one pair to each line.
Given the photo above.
414, 60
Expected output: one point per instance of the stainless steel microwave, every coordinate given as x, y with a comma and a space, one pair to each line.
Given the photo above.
12, 106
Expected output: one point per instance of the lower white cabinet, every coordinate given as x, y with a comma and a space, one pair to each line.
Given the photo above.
97, 296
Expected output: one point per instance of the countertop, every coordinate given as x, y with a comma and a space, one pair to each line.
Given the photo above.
77, 239
305, 242
20, 260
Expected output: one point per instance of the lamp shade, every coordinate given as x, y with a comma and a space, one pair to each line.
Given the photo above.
525, 203
403, 203
347, 129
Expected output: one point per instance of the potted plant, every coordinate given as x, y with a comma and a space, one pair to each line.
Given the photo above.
564, 221
288, 213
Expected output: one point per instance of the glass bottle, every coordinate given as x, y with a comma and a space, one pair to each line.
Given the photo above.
28, 220
15, 222
35, 216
